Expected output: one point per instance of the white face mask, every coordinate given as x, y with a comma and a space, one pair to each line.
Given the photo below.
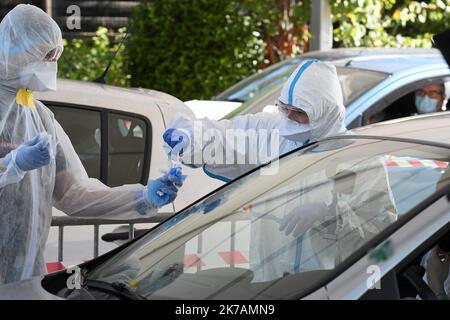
294, 131
39, 76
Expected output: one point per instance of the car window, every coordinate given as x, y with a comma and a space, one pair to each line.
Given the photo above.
400, 103
333, 196
354, 83
127, 140
83, 128
260, 83
126, 152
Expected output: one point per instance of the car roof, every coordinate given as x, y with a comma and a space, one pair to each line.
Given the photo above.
92, 94
341, 53
432, 128
388, 60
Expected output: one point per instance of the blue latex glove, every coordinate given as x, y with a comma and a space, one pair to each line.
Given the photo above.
159, 193
174, 176
32, 154
164, 190
176, 139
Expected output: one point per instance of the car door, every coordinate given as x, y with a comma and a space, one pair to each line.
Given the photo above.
114, 146
366, 276
370, 105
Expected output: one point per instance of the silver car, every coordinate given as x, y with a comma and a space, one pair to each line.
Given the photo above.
377, 84
207, 251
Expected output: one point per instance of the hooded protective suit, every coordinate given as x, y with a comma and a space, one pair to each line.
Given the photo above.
229, 148
28, 37
315, 89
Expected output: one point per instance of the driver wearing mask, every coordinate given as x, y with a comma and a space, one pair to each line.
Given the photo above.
430, 99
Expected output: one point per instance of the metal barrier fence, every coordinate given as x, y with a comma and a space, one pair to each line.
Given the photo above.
65, 221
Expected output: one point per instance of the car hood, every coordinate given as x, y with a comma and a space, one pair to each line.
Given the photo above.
30, 289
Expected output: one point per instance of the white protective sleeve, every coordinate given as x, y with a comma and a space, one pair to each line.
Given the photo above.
228, 148
78, 195
10, 173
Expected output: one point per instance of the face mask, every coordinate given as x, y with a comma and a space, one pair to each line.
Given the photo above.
294, 131
39, 76
425, 104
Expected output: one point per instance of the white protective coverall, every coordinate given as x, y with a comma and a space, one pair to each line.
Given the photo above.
314, 88
27, 35
258, 138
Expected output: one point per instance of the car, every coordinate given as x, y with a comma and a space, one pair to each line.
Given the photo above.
206, 251
117, 133
377, 84
215, 110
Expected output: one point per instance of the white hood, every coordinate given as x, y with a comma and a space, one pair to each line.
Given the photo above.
314, 87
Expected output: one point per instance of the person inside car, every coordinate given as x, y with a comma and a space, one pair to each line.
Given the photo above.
430, 99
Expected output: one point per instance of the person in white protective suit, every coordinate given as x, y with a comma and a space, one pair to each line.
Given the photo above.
38, 164
311, 108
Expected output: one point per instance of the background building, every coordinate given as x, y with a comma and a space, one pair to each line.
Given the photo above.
112, 14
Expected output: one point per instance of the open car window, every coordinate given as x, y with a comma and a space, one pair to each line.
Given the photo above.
334, 196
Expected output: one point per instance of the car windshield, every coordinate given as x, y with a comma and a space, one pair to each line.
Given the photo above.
277, 236
263, 90
253, 86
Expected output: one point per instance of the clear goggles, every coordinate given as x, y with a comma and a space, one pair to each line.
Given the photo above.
285, 108
54, 54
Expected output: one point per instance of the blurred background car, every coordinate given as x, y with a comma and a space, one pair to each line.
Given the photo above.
377, 84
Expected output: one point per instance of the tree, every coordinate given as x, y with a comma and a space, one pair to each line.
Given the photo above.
389, 23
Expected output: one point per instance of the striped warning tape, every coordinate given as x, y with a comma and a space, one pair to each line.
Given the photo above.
408, 162
216, 259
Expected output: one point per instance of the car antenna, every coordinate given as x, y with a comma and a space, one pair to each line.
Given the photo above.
102, 78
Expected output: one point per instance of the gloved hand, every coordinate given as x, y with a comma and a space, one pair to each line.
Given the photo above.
32, 154
178, 140
174, 176
164, 190
299, 220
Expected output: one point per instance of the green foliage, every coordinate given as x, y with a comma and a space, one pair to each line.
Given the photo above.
197, 48
284, 26
86, 60
193, 48
390, 23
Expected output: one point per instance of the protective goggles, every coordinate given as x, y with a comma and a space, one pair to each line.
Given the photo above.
285, 108
54, 54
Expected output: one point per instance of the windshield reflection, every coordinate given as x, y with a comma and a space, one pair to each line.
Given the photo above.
273, 237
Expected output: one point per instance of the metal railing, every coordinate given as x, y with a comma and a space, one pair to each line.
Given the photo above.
66, 221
